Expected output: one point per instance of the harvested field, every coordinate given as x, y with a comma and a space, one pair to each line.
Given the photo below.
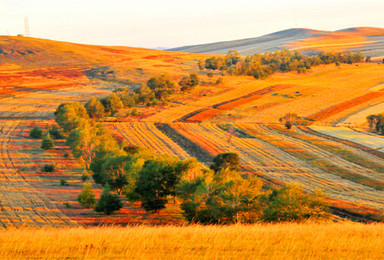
21, 203
370, 140
147, 135
268, 161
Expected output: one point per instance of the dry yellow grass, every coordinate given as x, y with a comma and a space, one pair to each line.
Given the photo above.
272, 241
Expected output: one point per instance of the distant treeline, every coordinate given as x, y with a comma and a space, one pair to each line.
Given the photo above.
262, 65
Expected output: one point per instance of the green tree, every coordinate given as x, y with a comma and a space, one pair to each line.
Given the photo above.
86, 197
70, 116
84, 141
113, 172
112, 104
188, 83
156, 181
291, 203
108, 202
95, 108
223, 197
162, 85
226, 160
36, 132
47, 142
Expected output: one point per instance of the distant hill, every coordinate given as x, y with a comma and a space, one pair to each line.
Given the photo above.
369, 40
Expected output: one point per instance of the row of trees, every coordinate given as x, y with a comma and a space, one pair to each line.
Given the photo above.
157, 89
262, 65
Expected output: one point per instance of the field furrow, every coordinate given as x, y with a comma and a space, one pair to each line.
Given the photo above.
22, 204
274, 163
146, 134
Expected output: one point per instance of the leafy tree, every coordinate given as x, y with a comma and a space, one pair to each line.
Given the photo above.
291, 203
95, 108
226, 160
47, 142
156, 181
36, 132
108, 202
289, 120
84, 141
113, 172
376, 122
223, 197
86, 197
188, 83
55, 132
112, 104
70, 116
162, 85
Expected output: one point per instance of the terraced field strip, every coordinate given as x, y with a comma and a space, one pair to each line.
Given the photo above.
318, 157
368, 140
190, 147
20, 203
204, 114
349, 151
146, 134
344, 106
274, 163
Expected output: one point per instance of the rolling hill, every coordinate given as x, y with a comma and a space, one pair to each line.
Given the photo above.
369, 40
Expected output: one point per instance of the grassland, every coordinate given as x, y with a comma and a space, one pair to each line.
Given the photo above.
279, 241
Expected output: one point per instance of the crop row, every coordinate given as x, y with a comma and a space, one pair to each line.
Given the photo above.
22, 204
146, 134
272, 162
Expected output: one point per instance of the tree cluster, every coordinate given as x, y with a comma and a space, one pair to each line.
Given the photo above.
224, 196
262, 65
215, 195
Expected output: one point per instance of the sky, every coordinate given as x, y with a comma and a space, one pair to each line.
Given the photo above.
174, 23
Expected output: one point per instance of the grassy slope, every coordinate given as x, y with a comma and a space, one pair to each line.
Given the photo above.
280, 241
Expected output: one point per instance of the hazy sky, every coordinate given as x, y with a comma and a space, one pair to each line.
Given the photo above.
172, 23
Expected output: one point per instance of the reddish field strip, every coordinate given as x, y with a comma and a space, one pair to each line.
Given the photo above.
343, 106
216, 109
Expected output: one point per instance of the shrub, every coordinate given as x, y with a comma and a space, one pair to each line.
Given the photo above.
85, 176
86, 197
48, 168
291, 203
55, 132
36, 132
63, 182
47, 142
226, 160
108, 202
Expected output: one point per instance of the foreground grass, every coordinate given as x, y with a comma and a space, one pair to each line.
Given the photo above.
271, 241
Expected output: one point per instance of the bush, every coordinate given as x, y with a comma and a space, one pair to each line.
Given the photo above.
63, 182
226, 160
86, 197
108, 202
36, 132
48, 168
291, 203
47, 142
85, 176
55, 132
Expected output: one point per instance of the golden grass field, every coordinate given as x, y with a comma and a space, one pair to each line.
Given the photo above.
261, 241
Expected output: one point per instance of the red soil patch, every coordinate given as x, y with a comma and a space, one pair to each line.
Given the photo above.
343, 106
230, 104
